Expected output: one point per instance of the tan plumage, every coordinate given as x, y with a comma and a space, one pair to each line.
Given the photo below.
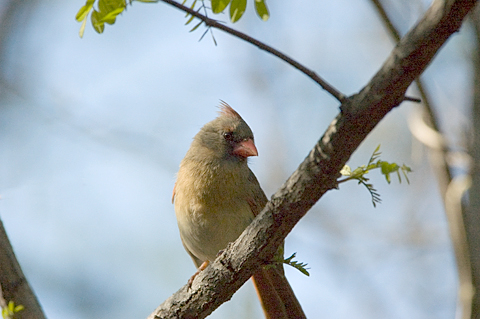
216, 196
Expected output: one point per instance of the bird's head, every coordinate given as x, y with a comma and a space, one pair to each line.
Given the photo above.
226, 137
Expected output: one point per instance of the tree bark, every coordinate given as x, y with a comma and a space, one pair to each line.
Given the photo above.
13, 284
472, 213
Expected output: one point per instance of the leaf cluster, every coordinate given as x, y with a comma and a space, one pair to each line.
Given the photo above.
385, 167
106, 11
237, 8
279, 259
300, 266
10, 310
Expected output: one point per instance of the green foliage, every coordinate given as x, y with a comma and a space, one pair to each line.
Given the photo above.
10, 310
82, 15
262, 10
300, 266
106, 11
279, 259
237, 8
219, 5
386, 169
192, 16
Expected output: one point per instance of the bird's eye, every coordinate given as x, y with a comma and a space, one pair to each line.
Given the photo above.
228, 136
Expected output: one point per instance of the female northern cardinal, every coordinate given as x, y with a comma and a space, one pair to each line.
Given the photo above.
217, 196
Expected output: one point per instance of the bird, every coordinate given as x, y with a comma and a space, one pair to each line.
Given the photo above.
216, 196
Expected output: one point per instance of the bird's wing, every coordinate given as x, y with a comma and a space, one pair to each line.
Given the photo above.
258, 198
275, 293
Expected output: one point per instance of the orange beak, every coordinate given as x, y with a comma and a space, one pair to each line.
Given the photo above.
245, 149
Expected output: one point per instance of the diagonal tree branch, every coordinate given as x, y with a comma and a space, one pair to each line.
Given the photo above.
319, 171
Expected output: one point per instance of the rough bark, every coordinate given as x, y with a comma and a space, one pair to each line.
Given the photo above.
14, 287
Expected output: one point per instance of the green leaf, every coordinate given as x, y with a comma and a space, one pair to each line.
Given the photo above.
9, 311
359, 172
193, 4
373, 193
112, 15
219, 5
84, 11
195, 27
18, 308
110, 9
376, 154
190, 20
388, 168
97, 23
237, 8
300, 266
107, 6
82, 15
192, 17
405, 170
262, 10
82, 28
191, 7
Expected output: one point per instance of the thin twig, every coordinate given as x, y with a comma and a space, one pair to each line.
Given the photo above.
386, 20
215, 24
412, 99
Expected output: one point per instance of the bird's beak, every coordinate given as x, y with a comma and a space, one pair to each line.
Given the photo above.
245, 149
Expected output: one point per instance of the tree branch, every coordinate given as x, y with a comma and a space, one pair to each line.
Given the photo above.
319, 171
471, 216
13, 285
386, 20
262, 46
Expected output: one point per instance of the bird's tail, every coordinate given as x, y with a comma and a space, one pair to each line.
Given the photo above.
275, 294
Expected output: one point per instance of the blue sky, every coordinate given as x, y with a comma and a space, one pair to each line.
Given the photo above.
92, 131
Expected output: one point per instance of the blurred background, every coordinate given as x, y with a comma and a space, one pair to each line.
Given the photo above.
92, 132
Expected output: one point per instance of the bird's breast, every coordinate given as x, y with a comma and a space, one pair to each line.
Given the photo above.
211, 209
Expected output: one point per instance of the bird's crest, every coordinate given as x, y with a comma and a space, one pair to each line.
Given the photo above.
227, 110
